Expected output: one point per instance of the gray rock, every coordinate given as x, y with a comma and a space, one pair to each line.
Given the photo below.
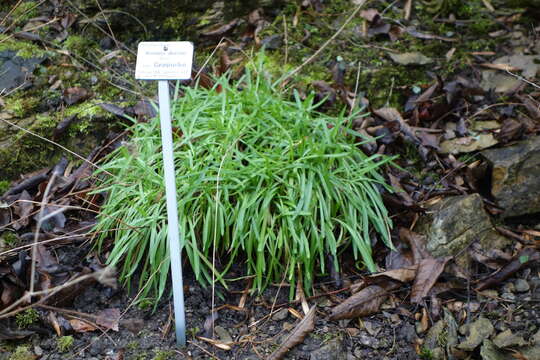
407, 332
479, 330
531, 353
438, 354
280, 315
223, 334
272, 42
508, 296
488, 351
434, 335
333, 350
515, 177
507, 339
522, 285
369, 341
15, 70
455, 223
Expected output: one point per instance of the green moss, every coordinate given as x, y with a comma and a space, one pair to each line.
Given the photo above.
64, 343
88, 109
24, 49
425, 353
132, 346
381, 83
22, 353
8, 238
163, 355
27, 152
21, 106
26, 318
4, 186
25, 11
79, 45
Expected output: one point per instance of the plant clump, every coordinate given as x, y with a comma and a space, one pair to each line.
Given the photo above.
26, 318
22, 353
64, 343
262, 180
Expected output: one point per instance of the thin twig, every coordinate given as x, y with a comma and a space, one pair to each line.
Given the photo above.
13, 8
336, 34
286, 40
523, 79
38, 227
108, 25
47, 293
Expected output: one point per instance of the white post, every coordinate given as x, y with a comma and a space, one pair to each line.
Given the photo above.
172, 212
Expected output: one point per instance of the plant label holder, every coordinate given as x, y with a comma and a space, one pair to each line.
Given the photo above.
163, 61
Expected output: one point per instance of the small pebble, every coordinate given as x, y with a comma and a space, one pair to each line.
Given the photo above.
280, 315
521, 285
508, 296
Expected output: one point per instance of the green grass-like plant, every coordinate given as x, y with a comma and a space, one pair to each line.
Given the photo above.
260, 178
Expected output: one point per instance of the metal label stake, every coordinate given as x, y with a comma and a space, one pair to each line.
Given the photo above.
165, 61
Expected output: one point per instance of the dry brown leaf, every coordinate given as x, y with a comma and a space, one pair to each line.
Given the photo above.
407, 199
533, 106
108, 318
525, 258
81, 326
404, 274
75, 94
424, 321
416, 243
408, 7
296, 336
503, 67
221, 30
216, 343
427, 275
365, 302
369, 14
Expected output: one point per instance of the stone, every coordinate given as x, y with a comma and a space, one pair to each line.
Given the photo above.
407, 332
280, 315
532, 352
438, 353
434, 335
454, 223
521, 285
488, 351
223, 334
507, 339
272, 42
332, 350
479, 330
369, 341
15, 70
515, 177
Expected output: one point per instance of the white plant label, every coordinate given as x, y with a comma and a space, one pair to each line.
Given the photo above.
164, 60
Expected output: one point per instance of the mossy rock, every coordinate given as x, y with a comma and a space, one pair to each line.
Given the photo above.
22, 152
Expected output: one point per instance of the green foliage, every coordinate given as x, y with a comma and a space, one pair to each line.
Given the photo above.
163, 355
8, 238
25, 11
26, 318
4, 186
79, 45
425, 353
24, 49
264, 180
22, 353
64, 343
